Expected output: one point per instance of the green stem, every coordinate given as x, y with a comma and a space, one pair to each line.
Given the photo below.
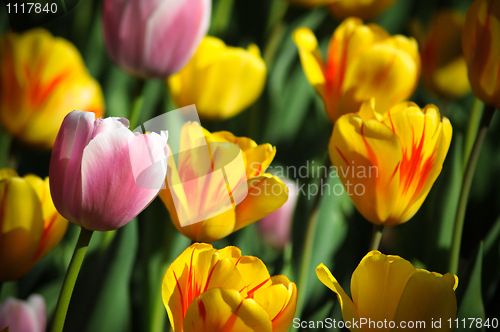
308, 248
376, 237
466, 183
70, 279
470, 137
1, 286
137, 104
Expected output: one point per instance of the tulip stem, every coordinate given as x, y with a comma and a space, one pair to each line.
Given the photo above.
137, 104
488, 113
70, 279
376, 237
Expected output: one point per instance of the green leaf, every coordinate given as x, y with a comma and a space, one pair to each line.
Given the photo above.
471, 303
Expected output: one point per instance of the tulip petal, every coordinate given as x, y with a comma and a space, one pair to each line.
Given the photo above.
284, 318
224, 310
378, 283
119, 178
23, 316
65, 163
310, 56
254, 272
366, 155
21, 227
427, 298
266, 193
349, 310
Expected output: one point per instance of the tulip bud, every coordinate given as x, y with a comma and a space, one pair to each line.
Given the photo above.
24, 316
42, 78
275, 228
101, 174
444, 70
481, 46
222, 81
154, 38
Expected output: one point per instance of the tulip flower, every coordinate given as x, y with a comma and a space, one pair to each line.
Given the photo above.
444, 70
389, 288
206, 207
363, 62
103, 175
363, 9
206, 289
24, 316
30, 226
42, 78
481, 46
152, 38
389, 163
275, 228
222, 81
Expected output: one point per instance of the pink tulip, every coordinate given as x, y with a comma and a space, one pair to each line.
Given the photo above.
101, 174
275, 228
23, 316
154, 38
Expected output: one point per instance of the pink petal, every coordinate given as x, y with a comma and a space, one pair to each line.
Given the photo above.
24, 316
65, 163
111, 194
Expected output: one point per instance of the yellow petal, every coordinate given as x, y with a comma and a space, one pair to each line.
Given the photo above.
222, 81
224, 310
310, 56
427, 298
364, 9
21, 227
266, 193
366, 156
254, 272
378, 283
284, 318
349, 310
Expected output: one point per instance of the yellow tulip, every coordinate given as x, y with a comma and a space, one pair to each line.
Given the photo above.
444, 70
364, 9
206, 289
222, 81
389, 163
481, 46
390, 289
30, 226
42, 78
363, 62
265, 193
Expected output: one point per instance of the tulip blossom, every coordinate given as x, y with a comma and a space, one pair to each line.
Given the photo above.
206, 204
389, 163
390, 289
42, 78
222, 81
364, 9
23, 316
154, 38
206, 289
363, 62
481, 46
102, 174
30, 226
444, 70
276, 228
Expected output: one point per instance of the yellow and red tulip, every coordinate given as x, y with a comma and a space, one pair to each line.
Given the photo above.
444, 70
42, 78
364, 9
196, 192
30, 226
206, 289
363, 62
220, 80
390, 289
389, 163
481, 46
